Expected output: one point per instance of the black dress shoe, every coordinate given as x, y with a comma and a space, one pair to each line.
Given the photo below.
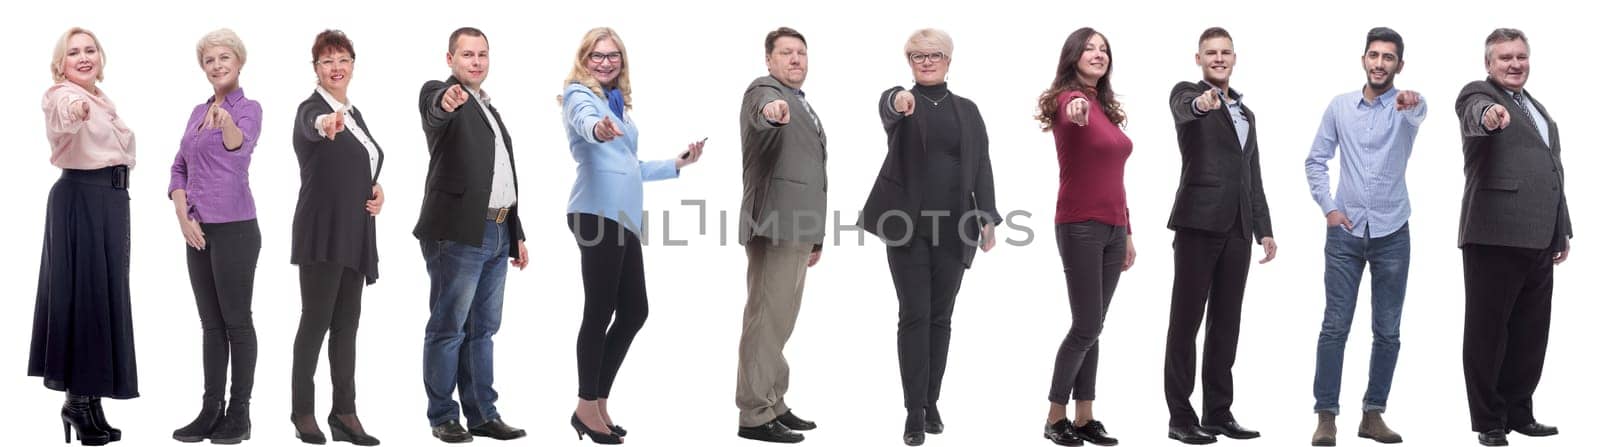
343, 433
1536, 429
1094, 432
497, 429
1493, 438
594, 436
1190, 434
771, 432
935, 424
451, 432
1231, 429
914, 438
916, 427
1061, 433
617, 430
788, 419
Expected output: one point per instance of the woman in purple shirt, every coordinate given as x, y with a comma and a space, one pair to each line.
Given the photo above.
210, 192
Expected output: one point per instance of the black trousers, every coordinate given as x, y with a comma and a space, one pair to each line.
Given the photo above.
1209, 275
1507, 327
330, 303
926, 279
223, 277
1092, 254
615, 304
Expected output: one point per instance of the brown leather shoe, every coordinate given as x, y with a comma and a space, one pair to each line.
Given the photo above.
1326, 432
1372, 427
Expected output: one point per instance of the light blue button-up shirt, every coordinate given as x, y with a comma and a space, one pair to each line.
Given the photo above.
1538, 118
1374, 141
1233, 100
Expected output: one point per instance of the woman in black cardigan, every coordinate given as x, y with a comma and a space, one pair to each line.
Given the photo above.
335, 238
933, 205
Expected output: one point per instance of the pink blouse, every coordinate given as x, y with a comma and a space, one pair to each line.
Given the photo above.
100, 141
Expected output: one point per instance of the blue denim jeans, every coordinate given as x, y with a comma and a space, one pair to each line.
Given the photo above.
468, 287
1347, 255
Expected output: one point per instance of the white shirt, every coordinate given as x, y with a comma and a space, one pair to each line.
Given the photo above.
351, 125
503, 192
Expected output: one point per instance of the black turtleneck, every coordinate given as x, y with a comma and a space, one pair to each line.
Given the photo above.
941, 156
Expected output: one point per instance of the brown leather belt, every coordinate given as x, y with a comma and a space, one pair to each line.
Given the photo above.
498, 215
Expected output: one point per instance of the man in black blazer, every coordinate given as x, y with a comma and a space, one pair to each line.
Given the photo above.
1219, 207
468, 227
1514, 230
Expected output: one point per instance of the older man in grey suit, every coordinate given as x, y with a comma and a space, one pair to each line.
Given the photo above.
782, 222
1514, 229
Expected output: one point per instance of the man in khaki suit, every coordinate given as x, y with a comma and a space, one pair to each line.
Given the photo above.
782, 223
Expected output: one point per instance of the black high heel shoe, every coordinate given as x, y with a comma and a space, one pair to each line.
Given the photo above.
343, 433
100, 419
309, 437
598, 438
76, 415
617, 430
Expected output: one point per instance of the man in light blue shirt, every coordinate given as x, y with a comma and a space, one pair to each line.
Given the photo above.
1373, 130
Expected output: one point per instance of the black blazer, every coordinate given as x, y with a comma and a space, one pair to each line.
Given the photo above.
331, 223
1515, 195
901, 175
460, 170
1220, 182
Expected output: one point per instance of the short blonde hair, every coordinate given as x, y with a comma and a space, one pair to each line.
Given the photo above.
220, 38
58, 71
930, 37
580, 70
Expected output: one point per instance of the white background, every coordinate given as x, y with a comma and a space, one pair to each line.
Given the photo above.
690, 63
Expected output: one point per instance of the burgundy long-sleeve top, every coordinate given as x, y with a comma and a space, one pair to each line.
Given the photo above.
1091, 158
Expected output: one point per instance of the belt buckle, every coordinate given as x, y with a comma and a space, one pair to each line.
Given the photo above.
119, 177
500, 217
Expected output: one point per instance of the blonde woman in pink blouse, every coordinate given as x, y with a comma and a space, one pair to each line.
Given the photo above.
82, 325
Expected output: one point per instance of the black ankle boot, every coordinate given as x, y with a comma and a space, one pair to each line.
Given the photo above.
100, 419
235, 425
77, 414
203, 424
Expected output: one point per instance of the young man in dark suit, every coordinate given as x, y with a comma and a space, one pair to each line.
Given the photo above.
1220, 205
468, 227
1514, 230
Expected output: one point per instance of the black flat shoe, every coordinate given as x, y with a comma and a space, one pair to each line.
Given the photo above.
1231, 429
914, 438
497, 429
916, 427
1493, 438
1536, 429
935, 424
1190, 434
343, 433
773, 431
234, 427
451, 432
202, 425
1061, 433
792, 422
1094, 432
596, 437
311, 437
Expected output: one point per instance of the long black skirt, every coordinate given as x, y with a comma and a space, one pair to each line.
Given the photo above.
82, 321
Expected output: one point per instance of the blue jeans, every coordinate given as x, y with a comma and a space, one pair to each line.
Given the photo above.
468, 287
1347, 254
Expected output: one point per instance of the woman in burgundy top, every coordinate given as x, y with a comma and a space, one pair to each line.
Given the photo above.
210, 192
1092, 230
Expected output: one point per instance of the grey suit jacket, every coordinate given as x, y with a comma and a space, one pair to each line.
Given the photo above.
785, 169
1515, 195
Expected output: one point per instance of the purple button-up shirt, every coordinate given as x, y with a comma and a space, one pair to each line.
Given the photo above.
216, 179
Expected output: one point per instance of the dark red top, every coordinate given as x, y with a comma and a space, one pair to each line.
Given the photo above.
1091, 158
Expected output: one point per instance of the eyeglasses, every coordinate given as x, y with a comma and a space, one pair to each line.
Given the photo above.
926, 57
330, 63
614, 57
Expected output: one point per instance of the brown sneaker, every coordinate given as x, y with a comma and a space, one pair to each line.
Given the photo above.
1324, 436
1372, 427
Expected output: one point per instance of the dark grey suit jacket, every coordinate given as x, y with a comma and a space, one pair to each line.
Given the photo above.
1221, 182
461, 153
785, 169
1515, 195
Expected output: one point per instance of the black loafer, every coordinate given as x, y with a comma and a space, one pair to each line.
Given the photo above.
451, 432
1231, 429
771, 432
1493, 438
497, 429
914, 438
1190, 434
1536, 429
788, 419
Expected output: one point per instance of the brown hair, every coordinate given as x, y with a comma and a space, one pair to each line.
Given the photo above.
329, 42
464, 31
1067, 80
782, 31
1212, 33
